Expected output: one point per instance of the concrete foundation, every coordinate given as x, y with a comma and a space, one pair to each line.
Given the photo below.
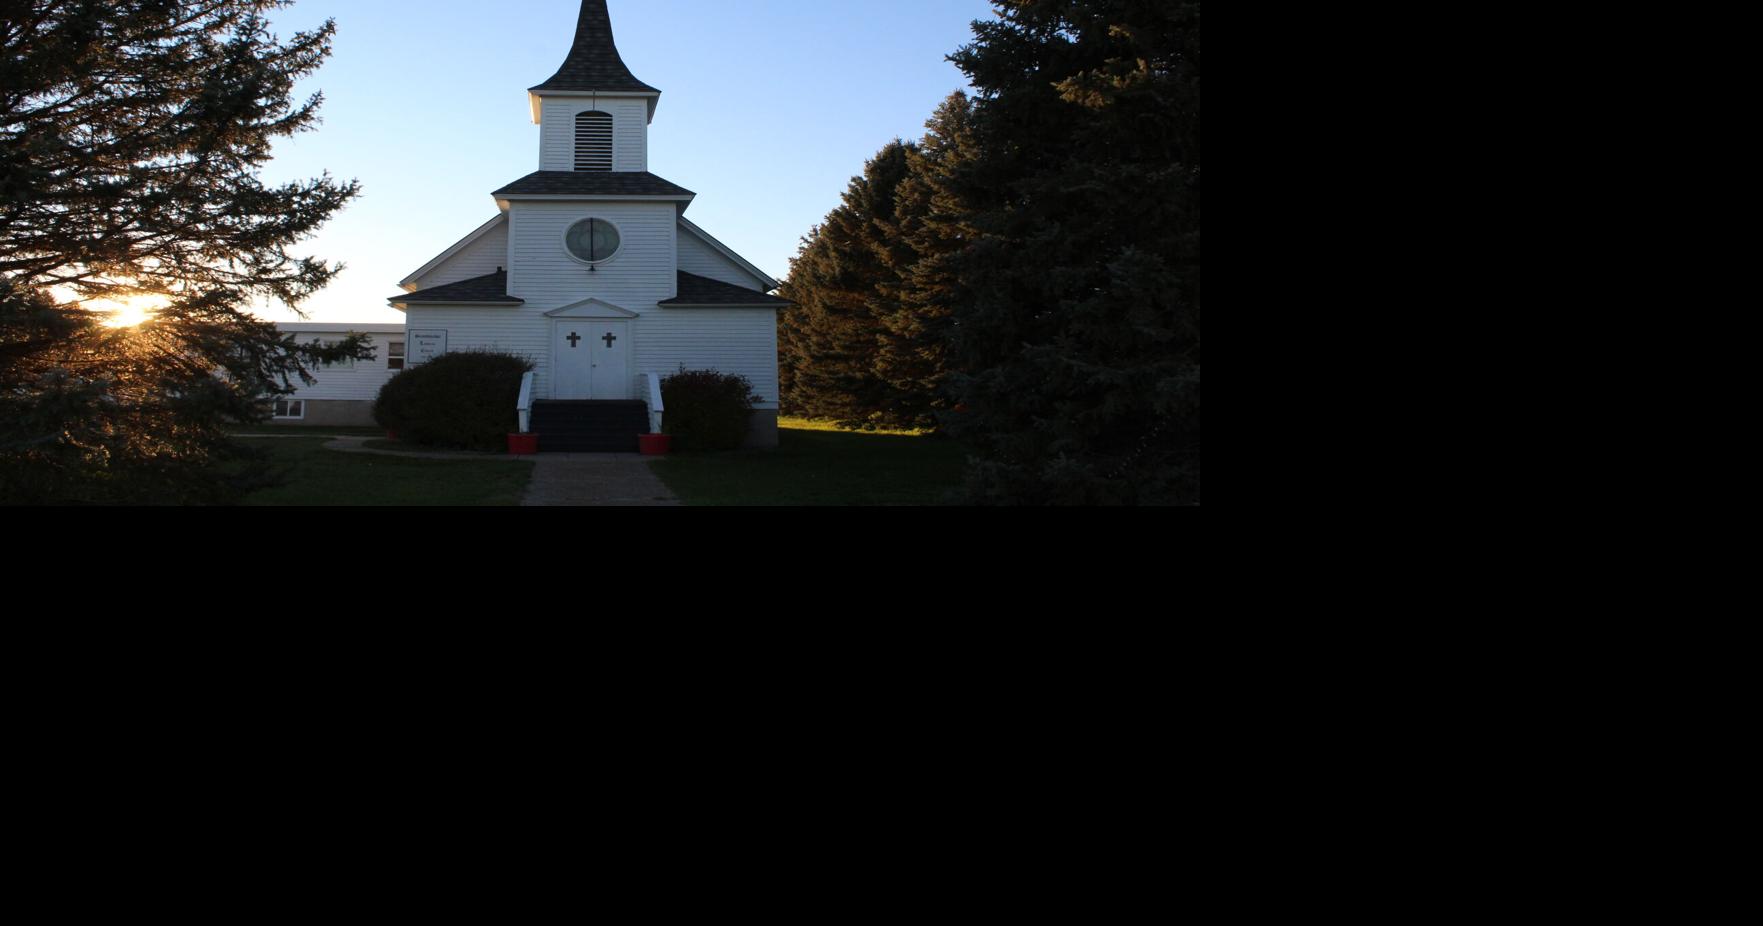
762, 430
340, 413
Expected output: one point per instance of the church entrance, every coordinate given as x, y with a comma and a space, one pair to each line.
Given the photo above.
590, 359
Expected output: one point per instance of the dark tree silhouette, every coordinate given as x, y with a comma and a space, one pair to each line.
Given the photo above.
131, 136
874, 285
828, 338
1077, 330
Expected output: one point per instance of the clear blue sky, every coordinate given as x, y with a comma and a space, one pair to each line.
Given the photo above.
768, 108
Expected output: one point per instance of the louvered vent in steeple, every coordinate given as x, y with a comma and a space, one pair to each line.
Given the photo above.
593, 141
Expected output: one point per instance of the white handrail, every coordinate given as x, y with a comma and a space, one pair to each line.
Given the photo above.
655, 407
524, 404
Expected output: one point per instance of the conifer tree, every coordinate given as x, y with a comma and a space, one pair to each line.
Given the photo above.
1078, 328
827, 340
131, 135
875, 285
933, 225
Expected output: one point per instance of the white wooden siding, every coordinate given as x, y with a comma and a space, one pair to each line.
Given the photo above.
480, 257
506, 329
740, 341
363, 382
630, 131
697, 257
541, 272
641, 275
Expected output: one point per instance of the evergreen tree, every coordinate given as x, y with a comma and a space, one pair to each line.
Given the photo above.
827, 340
1078, 327
933, 225
131, 134
875, 283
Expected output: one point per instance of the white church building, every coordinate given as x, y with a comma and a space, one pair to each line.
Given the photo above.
590, 268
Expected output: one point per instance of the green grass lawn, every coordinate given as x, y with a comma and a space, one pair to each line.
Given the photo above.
817, 424
408, 447
325, 477
302, 430
816, 466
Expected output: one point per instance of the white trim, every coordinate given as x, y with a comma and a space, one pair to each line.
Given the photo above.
410, 281
566, 197
681, 203
535, 103
626, 94
339, 328
404, 303
721, 305
725, 251
523, 404
656, 406
593, 308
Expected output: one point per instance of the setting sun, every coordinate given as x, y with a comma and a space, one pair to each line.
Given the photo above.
131, 311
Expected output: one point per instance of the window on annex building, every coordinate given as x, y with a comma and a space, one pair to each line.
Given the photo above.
290, 408
395, 355
345, 364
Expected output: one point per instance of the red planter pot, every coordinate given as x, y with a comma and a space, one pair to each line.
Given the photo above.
522, 444
654, 445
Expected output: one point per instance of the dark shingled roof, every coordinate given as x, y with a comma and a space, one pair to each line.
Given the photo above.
491, 287
592, 183
593, 62
697, 290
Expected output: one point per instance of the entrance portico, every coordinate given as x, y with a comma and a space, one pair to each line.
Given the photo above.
591, 351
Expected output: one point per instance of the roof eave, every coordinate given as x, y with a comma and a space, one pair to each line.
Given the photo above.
535, 97
729, 253
614, 196
327, 327
461, 245
503, 199
723, 305
541, 90
409, 302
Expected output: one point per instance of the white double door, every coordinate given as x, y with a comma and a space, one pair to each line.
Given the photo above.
590, 359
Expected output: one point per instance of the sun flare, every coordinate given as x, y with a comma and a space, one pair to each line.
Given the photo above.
131, 311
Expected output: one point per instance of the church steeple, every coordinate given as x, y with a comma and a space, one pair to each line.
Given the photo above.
593, 63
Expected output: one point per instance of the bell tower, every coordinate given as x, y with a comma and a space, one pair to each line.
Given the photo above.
593, 114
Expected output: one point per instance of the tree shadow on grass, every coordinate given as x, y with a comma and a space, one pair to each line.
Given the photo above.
821, 468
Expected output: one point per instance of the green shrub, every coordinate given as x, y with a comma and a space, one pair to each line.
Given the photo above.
463, 399
707, 410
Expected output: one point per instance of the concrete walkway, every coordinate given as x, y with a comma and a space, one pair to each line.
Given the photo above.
559, 479
596, 479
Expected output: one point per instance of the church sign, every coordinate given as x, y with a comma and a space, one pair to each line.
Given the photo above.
426, 344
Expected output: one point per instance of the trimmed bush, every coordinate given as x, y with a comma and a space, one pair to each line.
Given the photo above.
707, 410
463, 400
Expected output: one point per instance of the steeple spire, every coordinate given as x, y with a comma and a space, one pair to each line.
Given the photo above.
593, 62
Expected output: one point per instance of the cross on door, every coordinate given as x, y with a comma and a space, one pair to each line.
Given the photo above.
609, 338
573, 339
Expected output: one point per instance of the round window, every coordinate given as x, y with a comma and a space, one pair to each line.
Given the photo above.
592, 240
